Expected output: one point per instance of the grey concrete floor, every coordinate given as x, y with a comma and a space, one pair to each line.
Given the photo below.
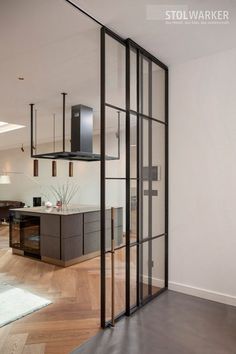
173, 323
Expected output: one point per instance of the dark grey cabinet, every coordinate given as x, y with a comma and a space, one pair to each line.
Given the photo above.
92, 230
65, 238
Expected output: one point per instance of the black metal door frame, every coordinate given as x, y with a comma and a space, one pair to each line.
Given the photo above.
141, 53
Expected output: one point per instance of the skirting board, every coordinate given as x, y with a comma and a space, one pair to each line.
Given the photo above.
203, 293
160, 283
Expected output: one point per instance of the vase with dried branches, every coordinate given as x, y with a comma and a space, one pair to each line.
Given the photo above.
63, 192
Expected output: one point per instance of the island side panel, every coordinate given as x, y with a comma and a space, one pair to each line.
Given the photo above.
71, 236
50, 236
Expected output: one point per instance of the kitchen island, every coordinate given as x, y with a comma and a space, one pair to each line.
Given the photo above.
62, 236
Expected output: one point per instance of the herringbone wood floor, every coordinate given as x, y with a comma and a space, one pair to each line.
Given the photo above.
74, 316
60, 327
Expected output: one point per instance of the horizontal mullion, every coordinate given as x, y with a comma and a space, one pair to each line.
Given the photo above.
122, 178
145, 179
116, 249
151, 238
147, 117
115, 107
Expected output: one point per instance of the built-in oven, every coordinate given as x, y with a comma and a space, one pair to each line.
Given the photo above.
25, 233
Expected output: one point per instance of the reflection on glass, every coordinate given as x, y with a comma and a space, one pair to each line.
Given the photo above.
115, 72
133, 276
133, 146
144, 99
119, 283
158, 182
115, 143
116, 198
158, 92
133, 211
152, 278
133, 79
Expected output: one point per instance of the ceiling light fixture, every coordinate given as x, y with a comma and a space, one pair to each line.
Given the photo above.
36, 168
71, 172
7, 127
5, 179
21, 78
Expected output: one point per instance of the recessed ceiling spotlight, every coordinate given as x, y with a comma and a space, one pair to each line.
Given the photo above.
21, 78
7, 127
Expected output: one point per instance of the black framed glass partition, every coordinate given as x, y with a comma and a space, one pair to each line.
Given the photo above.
134, 107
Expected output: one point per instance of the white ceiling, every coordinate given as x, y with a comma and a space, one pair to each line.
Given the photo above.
170, 43
56, 49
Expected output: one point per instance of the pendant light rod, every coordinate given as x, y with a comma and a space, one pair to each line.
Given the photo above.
54, 132
64, 121
35, 130
71, 171
32, 127
54, 168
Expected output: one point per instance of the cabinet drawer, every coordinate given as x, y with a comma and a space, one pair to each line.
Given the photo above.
96, 216
92, 216
71, 225
72, 248
95, 226
92, 242
50, 225
50, 246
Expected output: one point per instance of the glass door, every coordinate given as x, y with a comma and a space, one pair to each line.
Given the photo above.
134, 186
113, 179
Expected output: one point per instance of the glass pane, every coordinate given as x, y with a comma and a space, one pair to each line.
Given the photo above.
158, 179
144, 87
115, 72
119, 283
115, 143
48, 113
145, 145
115, 198
133, 276
133, 146
144, 152
133, 79
145, 210
133, 211
152, 277
158, 92
158, 266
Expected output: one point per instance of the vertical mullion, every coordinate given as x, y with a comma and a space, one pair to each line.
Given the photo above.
141, 170
166, 175
63, 121
138, 214
127, 179
102, 182
150, 178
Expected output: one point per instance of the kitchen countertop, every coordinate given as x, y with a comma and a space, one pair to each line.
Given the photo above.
69, 210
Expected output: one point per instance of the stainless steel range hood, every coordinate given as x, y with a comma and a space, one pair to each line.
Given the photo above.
82, 132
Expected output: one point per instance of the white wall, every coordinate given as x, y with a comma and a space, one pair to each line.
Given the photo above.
25, 187
86, 174
203, 177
